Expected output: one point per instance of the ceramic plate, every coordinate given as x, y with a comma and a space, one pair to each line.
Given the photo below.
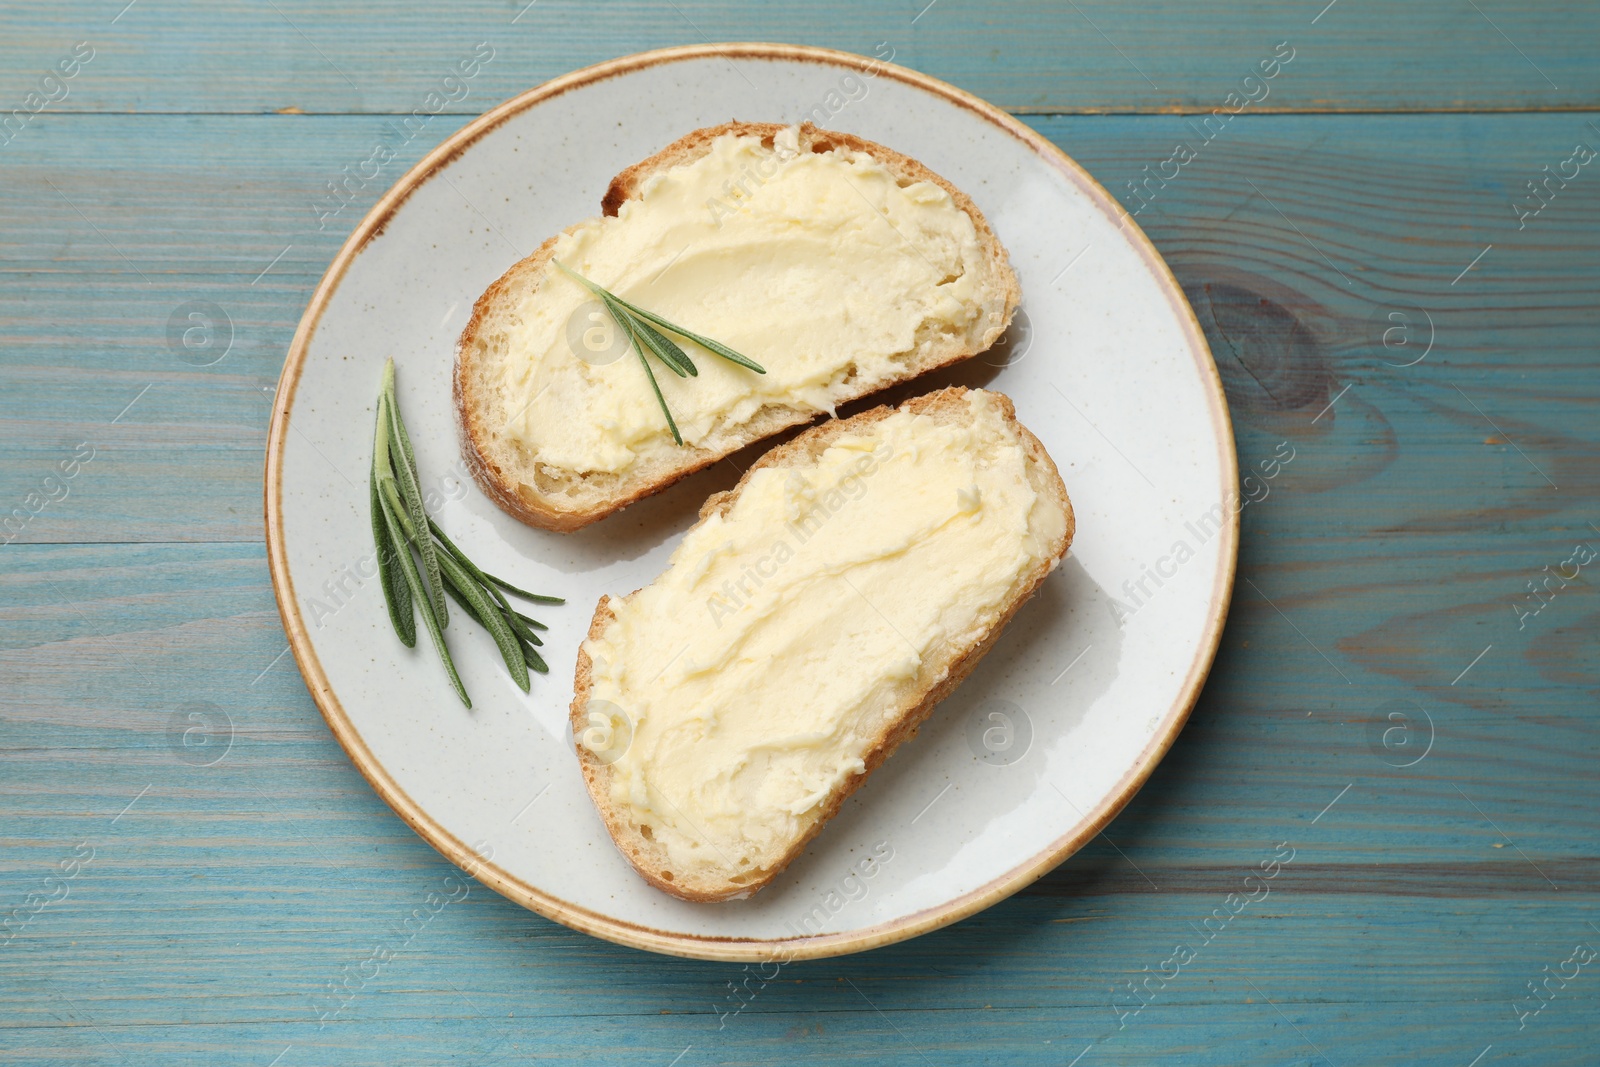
1042, 745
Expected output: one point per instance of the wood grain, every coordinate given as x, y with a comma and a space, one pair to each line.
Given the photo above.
1382, 574
1031, 55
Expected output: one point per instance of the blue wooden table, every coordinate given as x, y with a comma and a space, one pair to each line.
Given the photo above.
1394, 255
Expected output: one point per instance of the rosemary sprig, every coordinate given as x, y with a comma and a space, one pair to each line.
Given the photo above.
401, 524
643, 332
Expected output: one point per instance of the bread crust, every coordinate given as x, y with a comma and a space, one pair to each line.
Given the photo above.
550, 512
646, 856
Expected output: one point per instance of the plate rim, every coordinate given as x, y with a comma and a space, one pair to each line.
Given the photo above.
700, 946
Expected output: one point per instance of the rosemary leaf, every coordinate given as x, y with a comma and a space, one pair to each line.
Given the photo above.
507, 627
520, 624
534, 660
665, 348
382, 467
488, 615
467, 607
523, 593
470, 567
406, 452
521, 628
391, 496
414, 580
396, 593
581, 280
462, 602
671, 356
397, 511
488, 587
648, 373
411, 494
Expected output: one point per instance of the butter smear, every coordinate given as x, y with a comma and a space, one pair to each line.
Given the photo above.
760, 669
821, 267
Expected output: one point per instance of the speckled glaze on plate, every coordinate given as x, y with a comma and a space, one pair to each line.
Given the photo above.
1042, 745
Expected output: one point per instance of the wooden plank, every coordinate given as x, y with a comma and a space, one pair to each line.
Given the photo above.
846, 1020
1035, 55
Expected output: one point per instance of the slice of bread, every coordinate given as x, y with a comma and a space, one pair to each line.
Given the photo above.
721, 752
504, 356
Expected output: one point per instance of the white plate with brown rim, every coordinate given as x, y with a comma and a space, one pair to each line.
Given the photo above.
1043, 744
